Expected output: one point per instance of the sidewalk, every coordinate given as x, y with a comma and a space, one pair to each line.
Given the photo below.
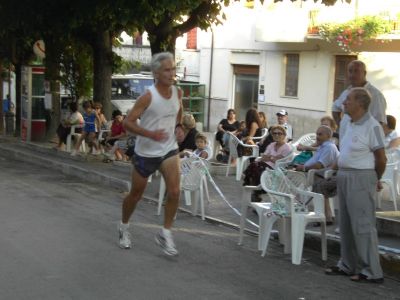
117, 176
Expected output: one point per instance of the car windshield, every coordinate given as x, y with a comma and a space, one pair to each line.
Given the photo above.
124, 88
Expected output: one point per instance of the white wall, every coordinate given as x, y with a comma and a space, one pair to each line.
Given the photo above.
383, 71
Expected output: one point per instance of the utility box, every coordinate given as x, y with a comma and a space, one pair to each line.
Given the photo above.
33, 112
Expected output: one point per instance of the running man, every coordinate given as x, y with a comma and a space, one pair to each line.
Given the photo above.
156, 148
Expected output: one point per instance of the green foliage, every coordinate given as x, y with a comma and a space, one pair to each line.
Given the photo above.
76, 70
123, 66
326, 2
355, 31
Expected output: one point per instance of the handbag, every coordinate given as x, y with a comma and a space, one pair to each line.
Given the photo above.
301, 158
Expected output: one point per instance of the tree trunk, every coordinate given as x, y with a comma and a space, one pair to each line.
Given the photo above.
161, 43
18, 69
102, 70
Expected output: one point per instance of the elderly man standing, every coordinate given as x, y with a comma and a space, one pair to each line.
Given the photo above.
325, 157
356, 73
361, 164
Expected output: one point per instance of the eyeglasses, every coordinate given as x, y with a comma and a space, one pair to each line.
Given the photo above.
277, 133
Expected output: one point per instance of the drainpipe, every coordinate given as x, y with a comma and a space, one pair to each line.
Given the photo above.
210, 79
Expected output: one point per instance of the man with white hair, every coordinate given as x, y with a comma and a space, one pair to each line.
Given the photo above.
325, 157
156, 148
356, 73
361, 163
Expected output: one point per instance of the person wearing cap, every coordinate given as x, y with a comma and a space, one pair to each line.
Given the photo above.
282, 116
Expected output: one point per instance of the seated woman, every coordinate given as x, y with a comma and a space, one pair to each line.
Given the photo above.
276, 150
253, 129
73, 118
392, 137
101, 122
230, 124
263, 119
187, 134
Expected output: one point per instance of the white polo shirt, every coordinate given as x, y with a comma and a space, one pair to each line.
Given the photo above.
377, 108
358, 141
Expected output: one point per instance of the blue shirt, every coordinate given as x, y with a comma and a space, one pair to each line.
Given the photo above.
6, 105
90, 125
326, 155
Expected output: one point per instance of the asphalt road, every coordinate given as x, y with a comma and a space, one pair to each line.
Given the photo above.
58, 240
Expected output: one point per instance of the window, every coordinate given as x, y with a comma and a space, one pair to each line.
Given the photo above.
292, 74
341, 64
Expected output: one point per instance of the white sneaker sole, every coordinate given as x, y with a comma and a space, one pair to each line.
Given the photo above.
124, 246
161, 244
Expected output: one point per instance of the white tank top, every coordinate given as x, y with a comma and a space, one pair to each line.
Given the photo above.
160, 114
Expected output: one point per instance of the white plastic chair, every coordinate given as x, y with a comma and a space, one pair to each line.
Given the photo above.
242, 161
293, 205
306, 140
389, 178
82, 148
192, 182
264, 133
213, 143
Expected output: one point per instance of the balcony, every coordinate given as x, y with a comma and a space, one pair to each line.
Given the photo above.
366, 33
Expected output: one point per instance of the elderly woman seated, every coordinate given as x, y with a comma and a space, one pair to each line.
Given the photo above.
278, 149
392, 137
186, 134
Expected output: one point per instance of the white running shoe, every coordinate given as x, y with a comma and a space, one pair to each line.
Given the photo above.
165, 241
124, 238
74, 152
96, 152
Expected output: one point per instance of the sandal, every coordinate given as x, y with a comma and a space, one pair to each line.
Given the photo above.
335, 270
363, 278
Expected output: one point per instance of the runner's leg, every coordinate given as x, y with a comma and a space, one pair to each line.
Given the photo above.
170, 170
139, 184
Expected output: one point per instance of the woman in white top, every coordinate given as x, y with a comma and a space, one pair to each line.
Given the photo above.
64, 129
392, 137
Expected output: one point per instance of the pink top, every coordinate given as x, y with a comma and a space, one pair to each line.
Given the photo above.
283, 150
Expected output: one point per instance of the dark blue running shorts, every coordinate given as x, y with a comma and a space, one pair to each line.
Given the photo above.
148, 165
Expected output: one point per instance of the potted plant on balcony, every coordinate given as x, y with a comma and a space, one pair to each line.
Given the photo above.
355, 31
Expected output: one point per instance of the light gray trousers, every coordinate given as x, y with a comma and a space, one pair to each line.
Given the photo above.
359, 240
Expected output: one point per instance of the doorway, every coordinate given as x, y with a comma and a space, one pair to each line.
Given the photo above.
245, 89
341, 81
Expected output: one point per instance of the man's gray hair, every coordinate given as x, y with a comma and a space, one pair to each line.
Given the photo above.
327, 130
358, 62
158, 58
362, 96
